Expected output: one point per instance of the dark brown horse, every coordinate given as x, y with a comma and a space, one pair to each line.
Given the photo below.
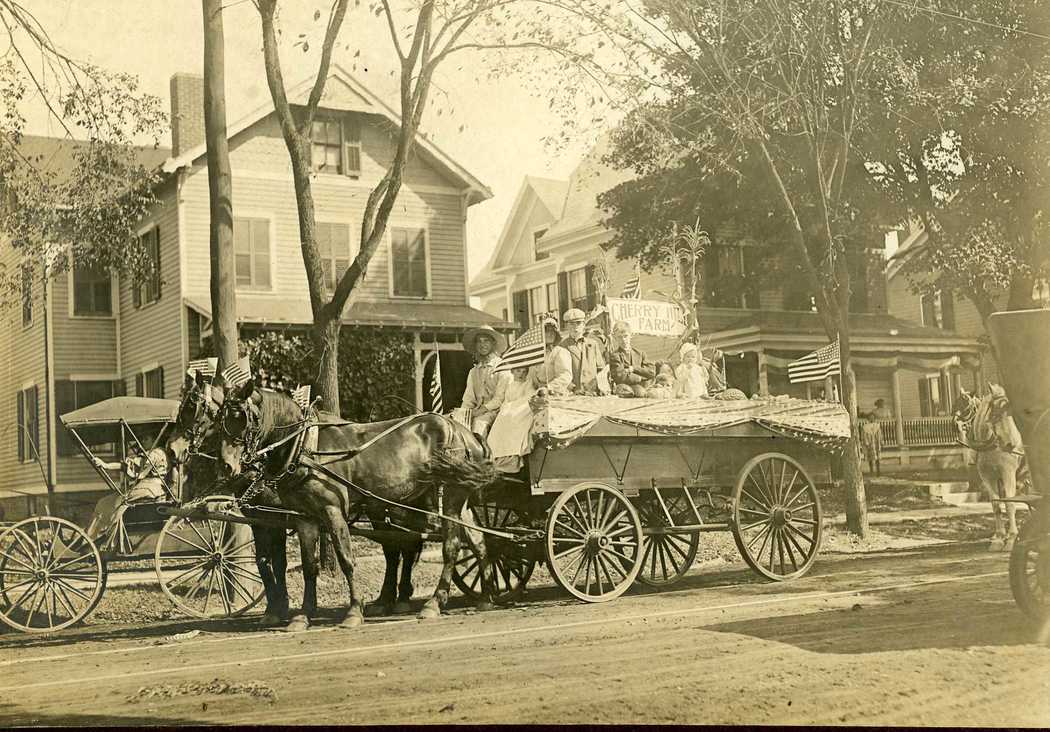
357, 469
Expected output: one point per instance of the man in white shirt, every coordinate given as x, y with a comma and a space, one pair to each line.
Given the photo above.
485, 388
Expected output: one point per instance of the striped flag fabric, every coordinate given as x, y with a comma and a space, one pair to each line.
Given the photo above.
237, 373
301, 396
632, 290
529, 350
205, 365
437, 401
820, 364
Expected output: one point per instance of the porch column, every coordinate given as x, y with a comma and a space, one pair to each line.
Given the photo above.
763, 373
895, 384
417, 368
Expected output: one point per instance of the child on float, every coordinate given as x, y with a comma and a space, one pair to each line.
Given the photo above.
691, 374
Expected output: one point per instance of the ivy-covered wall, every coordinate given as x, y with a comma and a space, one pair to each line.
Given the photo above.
373, 365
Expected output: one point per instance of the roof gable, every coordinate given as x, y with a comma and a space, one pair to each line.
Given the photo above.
344, 92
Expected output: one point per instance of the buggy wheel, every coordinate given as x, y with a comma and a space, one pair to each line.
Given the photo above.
776, 516
51, 575
594, 542
1030, 569
207, 567
510, 562
666, 557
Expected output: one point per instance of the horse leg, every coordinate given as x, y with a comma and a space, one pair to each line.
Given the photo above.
1009, 491
449, 552
340, 541
485, 568
388, 595
270, 560
409, 557
309, 536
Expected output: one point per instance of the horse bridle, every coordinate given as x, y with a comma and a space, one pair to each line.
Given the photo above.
196, 433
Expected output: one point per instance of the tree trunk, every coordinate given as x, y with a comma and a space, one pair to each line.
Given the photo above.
220, 189
856, 501
326, 345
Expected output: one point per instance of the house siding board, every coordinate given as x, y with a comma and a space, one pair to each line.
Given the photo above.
152, 334
337, 200
22, 360
82, 345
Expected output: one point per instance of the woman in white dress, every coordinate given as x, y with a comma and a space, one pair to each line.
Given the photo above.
511, 433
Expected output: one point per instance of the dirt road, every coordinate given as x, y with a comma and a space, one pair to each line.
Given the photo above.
928, 636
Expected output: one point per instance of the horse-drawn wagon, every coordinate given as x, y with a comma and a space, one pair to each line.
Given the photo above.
622, 490
53, 572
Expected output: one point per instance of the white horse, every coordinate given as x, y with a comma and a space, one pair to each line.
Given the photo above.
986, 426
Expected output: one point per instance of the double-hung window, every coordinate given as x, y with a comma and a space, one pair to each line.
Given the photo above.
150, 383
70, 395
336, 146
937, 310
333, 242
578, 288
92, 291
149, 291
251, 246
408, 261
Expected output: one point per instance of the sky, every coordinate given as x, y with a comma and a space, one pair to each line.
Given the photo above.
503, 124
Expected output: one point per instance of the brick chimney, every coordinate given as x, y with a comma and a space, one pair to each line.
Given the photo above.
187, 112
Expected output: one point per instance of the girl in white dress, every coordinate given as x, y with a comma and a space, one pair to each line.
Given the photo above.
511, 434
690, 376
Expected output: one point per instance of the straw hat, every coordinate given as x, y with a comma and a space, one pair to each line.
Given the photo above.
470, 338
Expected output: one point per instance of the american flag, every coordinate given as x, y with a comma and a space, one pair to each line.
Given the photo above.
815, 366
633, 288
237, 373
437, 401
529, 350
205, 365
301, 396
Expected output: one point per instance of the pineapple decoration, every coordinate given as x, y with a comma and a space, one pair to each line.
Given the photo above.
685, 250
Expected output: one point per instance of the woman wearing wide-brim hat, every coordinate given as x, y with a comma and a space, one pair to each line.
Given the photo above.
485, 389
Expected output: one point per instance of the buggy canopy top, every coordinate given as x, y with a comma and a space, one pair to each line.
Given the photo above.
133, 410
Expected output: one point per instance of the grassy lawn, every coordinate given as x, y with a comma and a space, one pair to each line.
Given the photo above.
882, 498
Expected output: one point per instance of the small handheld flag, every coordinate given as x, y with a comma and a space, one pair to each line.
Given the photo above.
301, 396
820, 364
206, 366
437, 402
632, 289
529, 350
237, 373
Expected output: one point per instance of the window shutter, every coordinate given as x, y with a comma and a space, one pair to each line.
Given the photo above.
140, 384
160, 376
563, 293
21, 424
521, 308
352, 146
947, 310
592, 295
35, 411
156, 262
65, 401
924, 397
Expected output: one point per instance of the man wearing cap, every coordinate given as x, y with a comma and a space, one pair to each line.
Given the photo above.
585, 353
485, 388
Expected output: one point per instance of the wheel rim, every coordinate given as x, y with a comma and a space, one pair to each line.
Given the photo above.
1036, 579
594, 542
666, 557
511, 566
207, 567
776, 517
51, 575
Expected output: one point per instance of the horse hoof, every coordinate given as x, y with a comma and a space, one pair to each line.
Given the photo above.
429, 613
296, 624
484, 606
377, 610
402, 608
272, 620
996, 545
352, 621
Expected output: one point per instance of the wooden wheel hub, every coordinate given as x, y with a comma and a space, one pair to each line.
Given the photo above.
597, 541
781, 516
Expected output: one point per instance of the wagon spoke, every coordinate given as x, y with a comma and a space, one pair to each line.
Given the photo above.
649, 555
583, 513
22, 572
211, 588
606, 528
220, 581
756, 513
681, 552
622, 556
15, 586
71, 562
767, 500
663, 559
756, 523
27, 550
579, 566
759, 535
50, 616
75, 590
587, 577
34, 607
605, 571
567, 552
567, 528
780, 550
240, 571
783, 472
799, 533
793, 543
576, 519
570, 540
10, 558
625, 529
186, 541
193, 525
195, 589
240, 590
808, 522
757, 502
775, 535
61, 594
794, 477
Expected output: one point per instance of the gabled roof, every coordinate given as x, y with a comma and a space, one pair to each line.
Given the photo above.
590, 178
551, 193
55, 154
365, 101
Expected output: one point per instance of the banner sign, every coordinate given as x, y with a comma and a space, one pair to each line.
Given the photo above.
647, 317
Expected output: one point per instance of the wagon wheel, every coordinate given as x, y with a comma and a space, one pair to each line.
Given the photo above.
509, 559
666, 557
776, 516
51, 575
594, 541
1030, 569
206, 567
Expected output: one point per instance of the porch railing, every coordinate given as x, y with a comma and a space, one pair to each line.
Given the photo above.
922, 432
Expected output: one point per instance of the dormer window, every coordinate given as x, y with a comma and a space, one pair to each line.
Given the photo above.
937, 310
536, 236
